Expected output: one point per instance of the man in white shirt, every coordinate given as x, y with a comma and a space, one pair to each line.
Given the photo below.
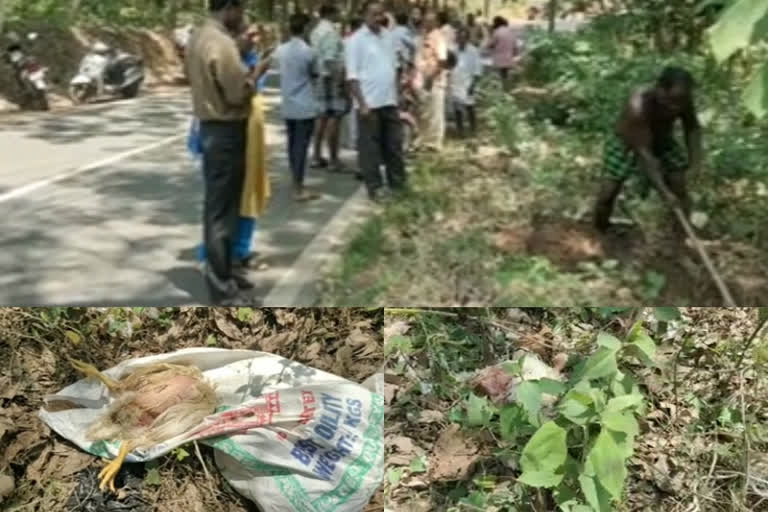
333, 105
371, 65
463, 78
298, 104
449, 33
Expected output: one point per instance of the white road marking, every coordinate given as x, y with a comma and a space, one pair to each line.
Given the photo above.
36, 185
323, 250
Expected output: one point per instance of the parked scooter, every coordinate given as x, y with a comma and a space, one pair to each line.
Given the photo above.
107, 71
31, 76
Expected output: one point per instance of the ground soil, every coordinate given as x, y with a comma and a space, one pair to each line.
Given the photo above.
51, 474
569, 243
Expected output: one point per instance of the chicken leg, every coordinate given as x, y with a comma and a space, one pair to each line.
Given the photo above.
110, 471
91, 371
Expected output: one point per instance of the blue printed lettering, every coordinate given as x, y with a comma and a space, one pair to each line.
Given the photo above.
354, 413
324, 468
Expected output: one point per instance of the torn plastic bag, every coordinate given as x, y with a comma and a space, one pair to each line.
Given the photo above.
287, 436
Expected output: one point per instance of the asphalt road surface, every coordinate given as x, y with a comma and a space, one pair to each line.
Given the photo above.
102, 206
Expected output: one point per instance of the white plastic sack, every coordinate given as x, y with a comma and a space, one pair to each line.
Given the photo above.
287, 436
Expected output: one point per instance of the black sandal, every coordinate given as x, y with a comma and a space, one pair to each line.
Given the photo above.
321, 163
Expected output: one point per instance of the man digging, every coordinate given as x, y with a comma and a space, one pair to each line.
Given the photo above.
644, 139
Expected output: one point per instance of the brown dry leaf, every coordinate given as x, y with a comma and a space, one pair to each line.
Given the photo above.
35, 470
403, 450
396, 328
275, 342
226, 325
25, 442
390, 393
7, 485
454, 455
430, 416
311, 352
402, 444
65, 461
6, 389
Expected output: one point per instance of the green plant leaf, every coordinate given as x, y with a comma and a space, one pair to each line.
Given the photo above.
755, 95
620, 403
608, 341
595, 494
543, 455
577, 407
600, 364
478, 410
643, 346
620, 422
418, 465
402, 344
540, 479
74, 337
485, 482
608, 464
394, 475
667, 314
529, 396
551, 386
180, 453
152, 477
624, 384
739, 26
244, 314
512, 420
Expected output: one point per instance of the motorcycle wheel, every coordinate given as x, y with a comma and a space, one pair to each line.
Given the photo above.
131, 91
35, 99
79, 93
40, 101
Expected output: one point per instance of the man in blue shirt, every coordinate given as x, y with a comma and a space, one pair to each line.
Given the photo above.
298, 70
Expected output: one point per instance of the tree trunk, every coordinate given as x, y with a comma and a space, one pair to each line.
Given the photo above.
552, 15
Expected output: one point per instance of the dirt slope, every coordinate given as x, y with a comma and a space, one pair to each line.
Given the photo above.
61, 49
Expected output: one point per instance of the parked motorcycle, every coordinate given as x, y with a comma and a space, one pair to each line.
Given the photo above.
107, 71
30, 75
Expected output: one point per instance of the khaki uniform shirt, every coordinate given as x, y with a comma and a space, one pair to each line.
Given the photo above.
217, 76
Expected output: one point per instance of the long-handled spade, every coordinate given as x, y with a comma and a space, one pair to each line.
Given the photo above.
722, 288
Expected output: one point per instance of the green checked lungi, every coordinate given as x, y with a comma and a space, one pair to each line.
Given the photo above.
620, 162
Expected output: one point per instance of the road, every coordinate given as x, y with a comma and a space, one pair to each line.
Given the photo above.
102, 206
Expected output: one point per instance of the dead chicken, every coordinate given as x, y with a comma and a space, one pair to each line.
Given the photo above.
152, 404
501, 386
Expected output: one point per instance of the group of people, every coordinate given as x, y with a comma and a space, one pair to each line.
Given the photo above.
363, 72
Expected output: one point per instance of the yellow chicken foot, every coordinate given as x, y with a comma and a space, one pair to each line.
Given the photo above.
91, 371
110, 471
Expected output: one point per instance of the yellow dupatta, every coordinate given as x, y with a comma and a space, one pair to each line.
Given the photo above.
257, 189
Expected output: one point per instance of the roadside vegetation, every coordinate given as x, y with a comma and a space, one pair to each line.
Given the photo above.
577, 409
505, 219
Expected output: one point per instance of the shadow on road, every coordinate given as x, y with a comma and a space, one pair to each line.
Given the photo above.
121, 234
154, 116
